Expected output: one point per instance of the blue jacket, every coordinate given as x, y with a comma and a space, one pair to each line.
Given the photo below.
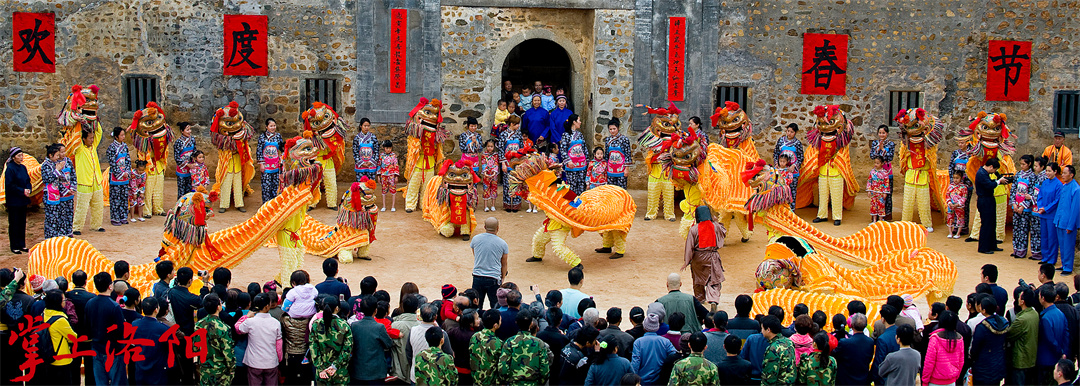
610, 372
1048, 198
650, 353
334, 288
885, 344
1068, 208
536, 123
101, 313
152, 370
555, 124
753, 350
853, 355
1053, 336
988, 350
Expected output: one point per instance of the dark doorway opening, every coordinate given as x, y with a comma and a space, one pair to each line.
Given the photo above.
539, 59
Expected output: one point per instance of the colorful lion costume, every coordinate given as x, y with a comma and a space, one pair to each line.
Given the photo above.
736, 132
665, 123
827, 165
301, 168
988, 136
449, 199
425, 152
355, 230
326, 131
230, 133
79, 116
680, 159
151, 136
607, 209
921, 133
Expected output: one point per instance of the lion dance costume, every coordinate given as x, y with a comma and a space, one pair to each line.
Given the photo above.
736, 132
988, 136
425, 150
79, 116
301, 169
355, 230
328, 135
449, 199
680, 160
827, 165
606, 209
664, 124
229, 132
918, 159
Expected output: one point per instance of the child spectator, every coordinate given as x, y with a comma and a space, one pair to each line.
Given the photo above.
382, 309
877, 186
388, 175
137, 186
817, 366
597, 171
300, 302
489, 175
500, 117
801, 339
200, 175
955, 199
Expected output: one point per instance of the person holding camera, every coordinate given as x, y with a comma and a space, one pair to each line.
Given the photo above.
987, 205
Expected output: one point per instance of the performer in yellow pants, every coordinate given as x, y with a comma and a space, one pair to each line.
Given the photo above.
555, 232
417, 181
329, 182
232, 186
155, 194
90, 195
740, 222
94, 202
614, 241
830, 190
917, 190
660, 186
290, 248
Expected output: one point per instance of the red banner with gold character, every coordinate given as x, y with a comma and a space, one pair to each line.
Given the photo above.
399, 44
676, 67
1008, 71
245, 45
824, 64
33, 38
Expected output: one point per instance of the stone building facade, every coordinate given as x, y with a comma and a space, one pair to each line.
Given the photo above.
457, 51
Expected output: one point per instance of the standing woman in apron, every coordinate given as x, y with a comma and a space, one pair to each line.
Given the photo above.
793, 147
365, 152
886, 149
119, 175
510, 140
471, 143
58, 175
575, 155
183, 148
268, 153
616, 150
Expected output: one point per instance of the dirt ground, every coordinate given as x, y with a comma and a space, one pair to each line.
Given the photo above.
408, 249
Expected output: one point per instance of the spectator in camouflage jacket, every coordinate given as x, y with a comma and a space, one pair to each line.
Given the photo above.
695, 370
778, 367
220, 361
484, 350
433, 366
331, 344
525, 359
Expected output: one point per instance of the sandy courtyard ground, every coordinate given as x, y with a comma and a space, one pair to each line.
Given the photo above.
408, 249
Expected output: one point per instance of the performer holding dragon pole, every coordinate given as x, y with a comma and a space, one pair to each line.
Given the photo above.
301, 168
235, 168
920, 135
736, 132
328, 135
82, 135
827, 166
151, 137
425, 151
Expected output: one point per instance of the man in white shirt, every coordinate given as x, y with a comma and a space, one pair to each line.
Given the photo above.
573, 295
264, 347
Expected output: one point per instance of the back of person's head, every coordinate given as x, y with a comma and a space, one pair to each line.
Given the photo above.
491, 318
1047, 270
839, 322
948, 320
803, 324
428, 312
368, 285
102, 282
590, 317
743, 304
586, 334
553, 298
990, 271
820, 318
243, 300
953, 303
988, 304
732, 344
889, 313
149, 306
260, 301
895, 301
983, 288
131, 297
299, 277
382, 296
1062, 290
614, 316
583, 305
524, 320
605, 347
856, 307
164, 268
330, 267
121, 268
574, 276
777, 311
54, 300
467, 320
906, 334
628, 379
6, 276
799, 309
1028, 296
858, 322
1067, 369
554, 316
513, 299
821, 342
1047, 293
676, 321
78, 278
993, 162
720, 320
637, 315
329, 306
223, 276
434, 336
61, 283
184, 275
936, 308
771, 323
369, 306
1076, 282
410, 304
211, 303
698, 341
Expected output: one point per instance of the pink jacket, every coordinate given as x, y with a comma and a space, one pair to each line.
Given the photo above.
944, 359
803, 345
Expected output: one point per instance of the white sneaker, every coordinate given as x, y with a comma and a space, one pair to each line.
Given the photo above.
393, 209
383, 210
929, 229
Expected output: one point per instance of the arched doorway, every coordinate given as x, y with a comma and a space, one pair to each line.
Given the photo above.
539, 59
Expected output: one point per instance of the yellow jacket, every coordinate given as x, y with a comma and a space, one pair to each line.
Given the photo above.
59, 331
87, 166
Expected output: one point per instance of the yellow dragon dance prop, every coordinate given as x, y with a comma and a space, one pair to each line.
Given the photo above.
449, 199
606, 209
736, 132
356, 219
183, 241
230, 133
664, 125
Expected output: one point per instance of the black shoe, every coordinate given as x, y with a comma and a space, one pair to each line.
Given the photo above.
999, 242
615, 255
241, 210
533, 259
819, 219
507, 210
1057, 269
647, 218
331, 208
671, 219
364, 258
27, 250
579, 266
987, 253
970, 240
16, 251
1067, 273
148, 216
408, 210
464, 237
836, 223
77, 233
998, 250
603, 250
745, 239
101, 229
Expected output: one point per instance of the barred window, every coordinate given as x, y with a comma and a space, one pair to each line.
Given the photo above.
737, 94
1067, 111
902, 100
140, 90
323, 90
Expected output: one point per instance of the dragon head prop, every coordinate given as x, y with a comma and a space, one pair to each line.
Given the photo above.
989, 128
301, 167
829, 120
322, 119
229, 122
733, 123
300, 151
149, 122
428, 113
685, 149
361, 195
780, 268
83, 102
458, 176
515, 158
665, 121
756, 173
916, 126
186, 221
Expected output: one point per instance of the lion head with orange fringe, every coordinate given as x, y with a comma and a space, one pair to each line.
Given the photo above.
82, 103
733, 123
229, 122
829, 120
428, 113
918, 126
665, 122
149, 122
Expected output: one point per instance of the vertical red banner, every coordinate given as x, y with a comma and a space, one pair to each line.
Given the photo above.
399, 43
676, 81
245, 45
33, 38
824, 64
1008, 71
